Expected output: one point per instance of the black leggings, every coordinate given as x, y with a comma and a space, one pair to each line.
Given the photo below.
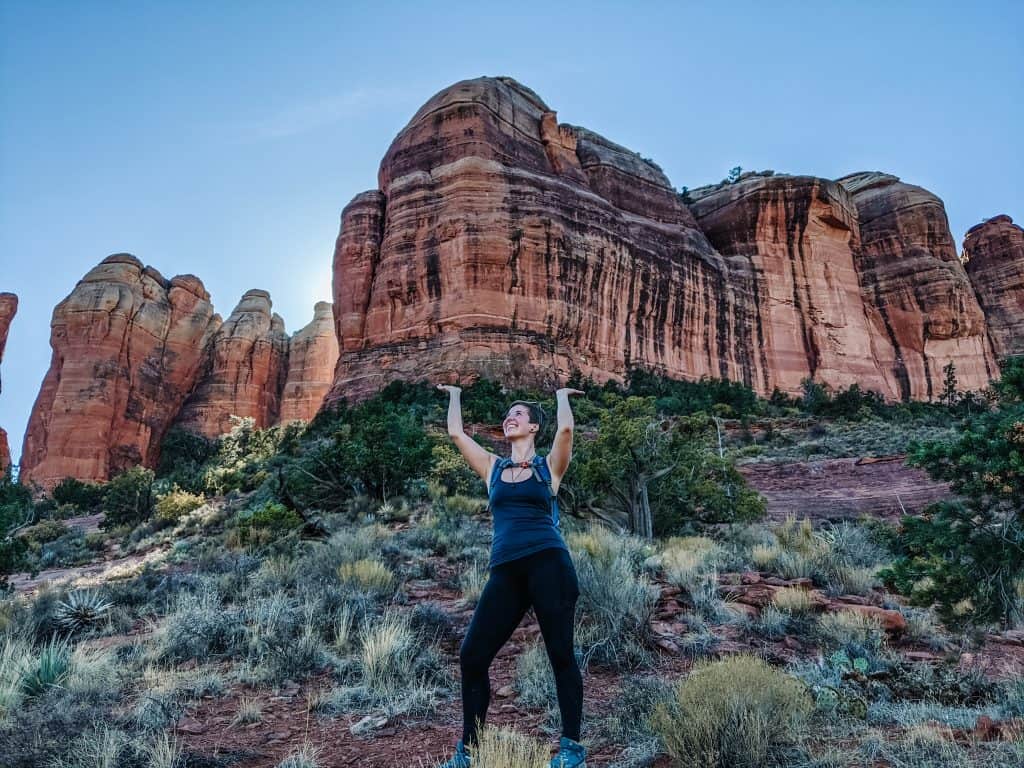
547, 581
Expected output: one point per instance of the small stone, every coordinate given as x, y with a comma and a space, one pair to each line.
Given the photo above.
367, 724
661, 628
668, 645
192, 726
505, 691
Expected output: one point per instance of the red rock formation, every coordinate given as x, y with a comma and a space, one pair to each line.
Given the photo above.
799, 235
126, 345
504, 244
915, 289
994, 254
312, 355
8, 306
501, 243
243, 370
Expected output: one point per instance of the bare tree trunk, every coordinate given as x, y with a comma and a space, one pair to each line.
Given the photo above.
645, 507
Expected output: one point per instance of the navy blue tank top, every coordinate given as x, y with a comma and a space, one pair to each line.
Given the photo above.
522, 519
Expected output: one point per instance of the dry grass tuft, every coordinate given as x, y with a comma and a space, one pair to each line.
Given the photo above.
505, 748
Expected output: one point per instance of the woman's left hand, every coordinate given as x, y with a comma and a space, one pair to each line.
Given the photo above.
569, 391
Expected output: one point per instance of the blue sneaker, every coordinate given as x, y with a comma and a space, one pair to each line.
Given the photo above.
571, 754
460, 759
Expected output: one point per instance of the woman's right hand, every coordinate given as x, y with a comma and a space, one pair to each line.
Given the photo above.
449, 388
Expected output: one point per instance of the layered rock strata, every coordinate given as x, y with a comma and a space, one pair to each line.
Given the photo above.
243, 370
312, 355
8, 307
994, 259
799, 235
916, 293
127, 345
501, 243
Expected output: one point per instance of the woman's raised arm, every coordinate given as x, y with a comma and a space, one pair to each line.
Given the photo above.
478, 457
561, 447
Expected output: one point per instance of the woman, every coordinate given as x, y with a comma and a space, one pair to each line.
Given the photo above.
529, 566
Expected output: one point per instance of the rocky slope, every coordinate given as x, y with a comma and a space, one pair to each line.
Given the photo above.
127, 345
994, 253
8, 306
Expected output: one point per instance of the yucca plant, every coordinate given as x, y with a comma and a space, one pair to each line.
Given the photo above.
49, 669
81, 610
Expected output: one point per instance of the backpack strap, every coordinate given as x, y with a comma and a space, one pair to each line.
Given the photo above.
496, 470
542, 472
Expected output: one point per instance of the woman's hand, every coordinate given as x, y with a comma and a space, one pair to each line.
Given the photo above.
569, 391
449, 388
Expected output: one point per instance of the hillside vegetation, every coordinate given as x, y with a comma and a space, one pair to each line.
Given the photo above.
295, 596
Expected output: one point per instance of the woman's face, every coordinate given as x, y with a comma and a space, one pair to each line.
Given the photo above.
517, 422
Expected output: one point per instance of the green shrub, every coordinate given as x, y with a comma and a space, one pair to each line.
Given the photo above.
967, 555
376, 448
86, 498
264, 524
615, 604
128, 499
449, 469
16, 511
176, 503
282, 638
182, 454
385, 448
735, 713
43, 532
201, 627
678, 397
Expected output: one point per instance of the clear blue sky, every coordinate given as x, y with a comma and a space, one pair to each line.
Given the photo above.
224, 138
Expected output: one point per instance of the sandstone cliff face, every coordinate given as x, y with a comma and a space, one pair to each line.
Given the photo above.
127, 345
799, 235
994, 251
501, 243
243, 370
312, 355
8, 306
915, 289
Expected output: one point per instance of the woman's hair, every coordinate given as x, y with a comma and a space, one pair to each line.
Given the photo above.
537, 415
